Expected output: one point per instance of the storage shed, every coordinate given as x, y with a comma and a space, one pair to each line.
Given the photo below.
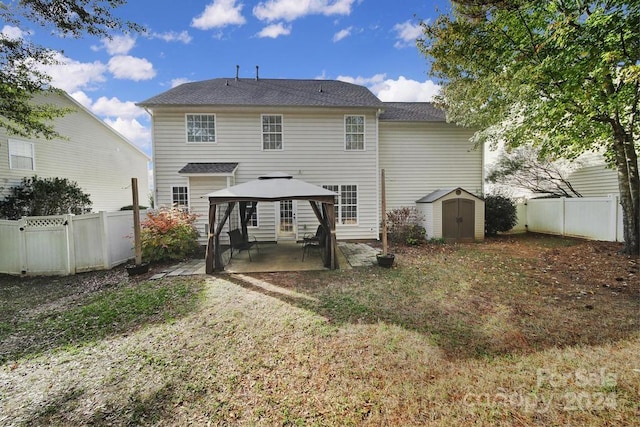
453, 214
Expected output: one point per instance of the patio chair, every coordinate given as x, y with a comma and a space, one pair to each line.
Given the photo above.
314, 241
239, 244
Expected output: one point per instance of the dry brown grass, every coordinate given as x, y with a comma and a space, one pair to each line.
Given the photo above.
503, 333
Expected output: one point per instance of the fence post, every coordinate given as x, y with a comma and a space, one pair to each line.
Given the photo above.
104, 238
71, 253
22, 246
563, 212
613, 221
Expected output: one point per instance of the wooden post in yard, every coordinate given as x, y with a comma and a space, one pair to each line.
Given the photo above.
136, 221
384, 215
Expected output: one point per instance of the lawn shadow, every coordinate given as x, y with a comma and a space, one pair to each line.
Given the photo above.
471, 302
75, 311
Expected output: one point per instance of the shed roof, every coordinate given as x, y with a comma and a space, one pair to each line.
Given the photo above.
273, 187
438, 194
208, 168
266, 92
411, 112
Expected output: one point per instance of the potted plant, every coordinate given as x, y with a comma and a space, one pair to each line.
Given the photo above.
385, 259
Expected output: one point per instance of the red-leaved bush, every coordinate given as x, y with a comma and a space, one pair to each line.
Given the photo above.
168, 234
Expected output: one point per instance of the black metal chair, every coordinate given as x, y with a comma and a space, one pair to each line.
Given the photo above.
314, 241
239, 244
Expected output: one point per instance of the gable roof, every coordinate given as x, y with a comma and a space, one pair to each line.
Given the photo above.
438, 194
266, 92
411, 112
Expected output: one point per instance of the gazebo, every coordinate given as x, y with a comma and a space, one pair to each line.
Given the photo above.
273, 187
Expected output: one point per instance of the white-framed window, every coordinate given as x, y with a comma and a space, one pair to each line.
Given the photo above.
347, 207
253, 220
201, 128
272, 132
22, 155
354, 133
180, 197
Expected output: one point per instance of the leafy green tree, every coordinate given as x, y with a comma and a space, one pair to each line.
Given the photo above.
560, 74
20, 80
49, 196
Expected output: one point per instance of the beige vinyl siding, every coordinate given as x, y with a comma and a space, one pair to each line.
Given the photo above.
93, 155
595, 181
313, 151
420, 158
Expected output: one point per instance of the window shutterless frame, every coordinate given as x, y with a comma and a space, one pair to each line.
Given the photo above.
272, 132
354, 133
200, 128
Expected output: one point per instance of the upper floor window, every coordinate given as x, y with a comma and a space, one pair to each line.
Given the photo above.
180, 197
21, 155
354, 133
201, 128
271, 132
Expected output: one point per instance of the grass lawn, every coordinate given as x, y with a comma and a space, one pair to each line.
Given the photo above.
525, 330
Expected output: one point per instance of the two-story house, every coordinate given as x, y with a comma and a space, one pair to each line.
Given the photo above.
90, 153
213, 134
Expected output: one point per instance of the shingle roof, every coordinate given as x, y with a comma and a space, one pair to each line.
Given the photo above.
267, 92
208, 168
438, 194
411, 112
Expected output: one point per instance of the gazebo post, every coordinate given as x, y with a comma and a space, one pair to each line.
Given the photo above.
219, 266
330, 215
211, 246
243, 220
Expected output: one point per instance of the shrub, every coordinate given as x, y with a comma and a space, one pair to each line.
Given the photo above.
499, 214
404, 226
168, 234
44, 196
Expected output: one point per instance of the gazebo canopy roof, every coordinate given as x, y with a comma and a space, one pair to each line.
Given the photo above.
274, 186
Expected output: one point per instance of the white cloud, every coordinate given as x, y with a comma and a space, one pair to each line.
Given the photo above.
71, 75
131, 68
133, 131
179, 81
274, 31
290, 10
342, 34
118, 45
113, 107
82, 98
13, 33
400, 90
407, 33
172, 36
218, 14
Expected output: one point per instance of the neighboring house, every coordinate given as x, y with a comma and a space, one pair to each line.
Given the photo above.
595, 181
92, 154
216, 133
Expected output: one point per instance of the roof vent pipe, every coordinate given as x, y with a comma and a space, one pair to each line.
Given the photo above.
257, 74
320, 90
237, 72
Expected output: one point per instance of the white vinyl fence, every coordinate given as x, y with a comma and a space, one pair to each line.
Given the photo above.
66, 244
594, 218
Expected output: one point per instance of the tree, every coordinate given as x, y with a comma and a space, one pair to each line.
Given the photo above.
562, 75
49, 196
523, 167
21, 79
500, 214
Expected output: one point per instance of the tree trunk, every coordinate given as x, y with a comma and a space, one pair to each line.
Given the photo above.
626, 160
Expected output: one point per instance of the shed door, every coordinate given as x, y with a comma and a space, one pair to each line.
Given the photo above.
458, 220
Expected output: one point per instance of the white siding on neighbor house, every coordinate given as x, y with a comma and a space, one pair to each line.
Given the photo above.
420, 158
433, 219
595, 181
313, 151
93, 155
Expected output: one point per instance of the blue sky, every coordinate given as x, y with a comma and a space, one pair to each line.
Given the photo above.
369, 42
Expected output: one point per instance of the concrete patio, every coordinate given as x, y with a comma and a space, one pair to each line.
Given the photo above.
273, 257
